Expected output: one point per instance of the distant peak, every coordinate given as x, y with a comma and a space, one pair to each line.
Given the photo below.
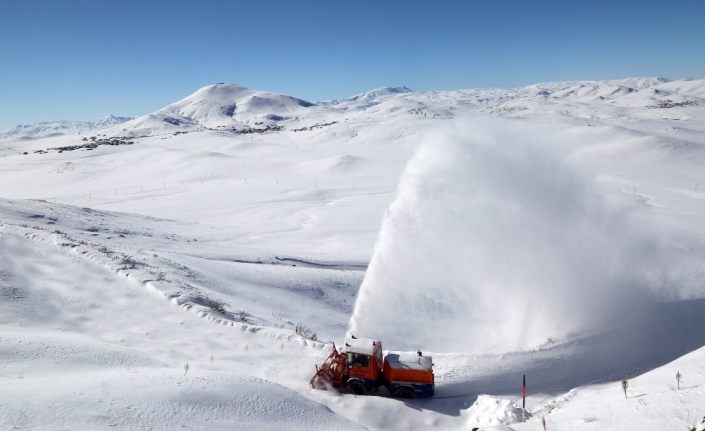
51, 128
223, 86
117, 118
402, 89
389, 90
381, 92
220, 88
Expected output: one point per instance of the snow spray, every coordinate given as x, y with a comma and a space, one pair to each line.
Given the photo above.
496, 242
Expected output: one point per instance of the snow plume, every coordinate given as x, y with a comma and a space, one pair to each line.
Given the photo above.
495, 243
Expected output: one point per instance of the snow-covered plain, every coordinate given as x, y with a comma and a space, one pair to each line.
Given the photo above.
152, 274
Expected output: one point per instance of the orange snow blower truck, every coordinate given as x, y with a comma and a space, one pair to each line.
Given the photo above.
361, 368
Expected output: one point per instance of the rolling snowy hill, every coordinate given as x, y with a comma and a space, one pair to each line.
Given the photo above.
153, 272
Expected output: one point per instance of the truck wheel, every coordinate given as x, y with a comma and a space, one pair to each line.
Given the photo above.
357, 387
405, 392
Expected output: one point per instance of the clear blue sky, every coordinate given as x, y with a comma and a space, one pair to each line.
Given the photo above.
82, 59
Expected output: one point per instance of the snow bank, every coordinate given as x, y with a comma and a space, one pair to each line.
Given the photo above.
489, 411
496, 243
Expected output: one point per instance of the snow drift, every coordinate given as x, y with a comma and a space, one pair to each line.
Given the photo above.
495, 243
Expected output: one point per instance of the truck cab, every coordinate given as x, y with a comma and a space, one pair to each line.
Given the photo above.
364, 364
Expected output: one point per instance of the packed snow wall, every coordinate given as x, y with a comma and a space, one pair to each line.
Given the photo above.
495, 242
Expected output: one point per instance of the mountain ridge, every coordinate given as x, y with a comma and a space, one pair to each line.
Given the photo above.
61, 127
229, 105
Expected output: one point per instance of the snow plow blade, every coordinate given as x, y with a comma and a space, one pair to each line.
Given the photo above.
330, 373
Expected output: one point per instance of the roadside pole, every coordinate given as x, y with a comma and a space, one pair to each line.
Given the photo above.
523, 397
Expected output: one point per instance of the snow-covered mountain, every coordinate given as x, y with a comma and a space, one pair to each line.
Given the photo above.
630, 92
154, 275
222, 105
56, 128
375, 94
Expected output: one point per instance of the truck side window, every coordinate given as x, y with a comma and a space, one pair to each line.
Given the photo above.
361, 360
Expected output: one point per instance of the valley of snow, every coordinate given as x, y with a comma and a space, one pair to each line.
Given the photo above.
153, 272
